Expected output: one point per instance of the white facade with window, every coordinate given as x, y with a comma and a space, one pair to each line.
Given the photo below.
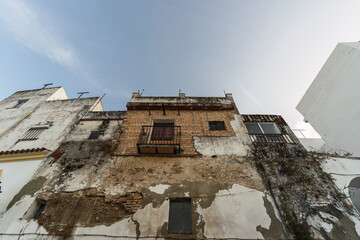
331, 104
33, 121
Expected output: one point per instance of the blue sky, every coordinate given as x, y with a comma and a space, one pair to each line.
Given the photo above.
266, 53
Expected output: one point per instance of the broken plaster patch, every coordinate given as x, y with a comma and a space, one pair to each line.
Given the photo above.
151, 219
230, 224
159, 189
126, 227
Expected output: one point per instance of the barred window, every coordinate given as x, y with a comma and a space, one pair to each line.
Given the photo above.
33, 133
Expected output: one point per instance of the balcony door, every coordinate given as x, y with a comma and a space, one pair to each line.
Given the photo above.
162, 132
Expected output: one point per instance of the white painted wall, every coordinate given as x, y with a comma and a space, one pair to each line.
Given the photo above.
331, 104
59, 115
10, 115
14, 176
313, 144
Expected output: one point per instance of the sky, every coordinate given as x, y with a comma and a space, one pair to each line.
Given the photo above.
266, 53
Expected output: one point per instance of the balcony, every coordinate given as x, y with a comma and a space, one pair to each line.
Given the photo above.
270, 138
159, 139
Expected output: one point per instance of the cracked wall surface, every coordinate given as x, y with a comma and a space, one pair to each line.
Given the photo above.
104, 188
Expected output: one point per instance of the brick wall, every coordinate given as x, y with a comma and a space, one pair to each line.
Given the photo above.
192, 123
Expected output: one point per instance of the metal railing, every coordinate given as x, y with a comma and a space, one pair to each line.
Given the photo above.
271, 138
160, 135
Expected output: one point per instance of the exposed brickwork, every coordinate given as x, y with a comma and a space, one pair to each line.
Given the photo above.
131, 201
192, 123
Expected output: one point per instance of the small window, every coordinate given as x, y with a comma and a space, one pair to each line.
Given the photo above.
217, 125
180, 215
94, 135
20, 103
33, 133
40, 210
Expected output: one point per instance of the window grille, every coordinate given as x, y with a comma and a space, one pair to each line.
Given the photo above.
163, 131
33, 133
266, 132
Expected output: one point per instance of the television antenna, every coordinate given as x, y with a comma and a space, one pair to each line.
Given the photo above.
81, 93
47, 84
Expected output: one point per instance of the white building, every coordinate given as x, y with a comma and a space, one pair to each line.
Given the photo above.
331, 104
33, 123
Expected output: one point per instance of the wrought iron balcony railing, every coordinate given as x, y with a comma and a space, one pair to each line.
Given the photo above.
271, 138
159, 136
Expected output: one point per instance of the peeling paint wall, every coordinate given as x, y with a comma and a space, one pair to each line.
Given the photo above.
12, 179
105, 189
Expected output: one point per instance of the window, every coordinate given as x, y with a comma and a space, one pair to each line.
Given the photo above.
33, 133
217, 125
262, 128
180, 215
20, 103
162, 131
94, 135
40, 210
266, 132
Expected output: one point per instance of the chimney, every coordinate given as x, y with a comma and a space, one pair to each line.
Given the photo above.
228, 95
135, 95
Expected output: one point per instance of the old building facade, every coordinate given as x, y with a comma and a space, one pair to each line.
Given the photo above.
179, 168
33, 124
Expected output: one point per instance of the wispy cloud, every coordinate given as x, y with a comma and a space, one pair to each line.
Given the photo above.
32, 29
251, 96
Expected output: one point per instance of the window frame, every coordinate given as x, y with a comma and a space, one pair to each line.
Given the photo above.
261, 129
216, 124
20, 103
94, 132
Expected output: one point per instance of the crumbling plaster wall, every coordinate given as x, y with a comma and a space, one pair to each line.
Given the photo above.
238, 145
310, 204
84, 128
213, 184
345, 172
